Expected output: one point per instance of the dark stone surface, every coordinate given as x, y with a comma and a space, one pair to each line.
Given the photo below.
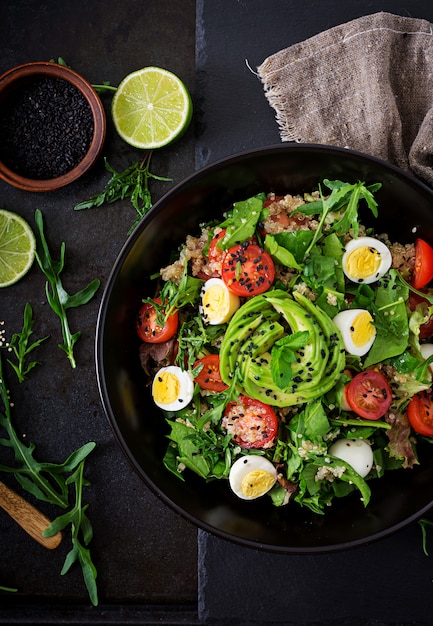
145, 554
143, 551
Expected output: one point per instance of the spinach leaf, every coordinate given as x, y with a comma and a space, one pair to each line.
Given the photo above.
242, 220
390, 319
296, 242
316, 423
280, 254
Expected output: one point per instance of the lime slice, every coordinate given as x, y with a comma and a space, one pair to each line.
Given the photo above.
17, 248
151, 108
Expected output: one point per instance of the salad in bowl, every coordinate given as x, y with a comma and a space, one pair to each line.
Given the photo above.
287, 346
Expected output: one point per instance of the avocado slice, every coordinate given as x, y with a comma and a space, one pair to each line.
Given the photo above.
253, 330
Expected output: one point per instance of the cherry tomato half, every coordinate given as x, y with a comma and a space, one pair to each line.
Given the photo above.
369, 394
420, 413
147, 328
210, 377
251, 423
270, 201
215, 255
423, 272
248, 270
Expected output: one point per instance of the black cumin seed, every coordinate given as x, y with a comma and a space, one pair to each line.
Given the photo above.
46, 128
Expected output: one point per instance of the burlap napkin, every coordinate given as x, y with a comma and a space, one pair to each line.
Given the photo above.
366, 85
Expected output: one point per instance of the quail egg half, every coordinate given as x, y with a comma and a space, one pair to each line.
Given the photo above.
252, 476
357, 330
218, 303
366, 259
172, 388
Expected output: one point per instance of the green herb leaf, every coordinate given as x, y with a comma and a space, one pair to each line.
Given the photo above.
80, 527
280, 253
283, 354
241, 224
131, 183
19, 345
57, 297
347, 196
390, 320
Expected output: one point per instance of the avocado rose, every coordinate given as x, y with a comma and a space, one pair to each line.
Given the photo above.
257, 350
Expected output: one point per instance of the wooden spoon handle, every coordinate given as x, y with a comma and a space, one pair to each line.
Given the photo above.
28, 517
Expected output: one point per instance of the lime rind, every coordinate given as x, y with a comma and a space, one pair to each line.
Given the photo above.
17, 248
151, 108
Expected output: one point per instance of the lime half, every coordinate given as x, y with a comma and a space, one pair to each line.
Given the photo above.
151, 108
17, 248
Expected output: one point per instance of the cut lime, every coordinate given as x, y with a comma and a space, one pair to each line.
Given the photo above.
151, 108
17, 247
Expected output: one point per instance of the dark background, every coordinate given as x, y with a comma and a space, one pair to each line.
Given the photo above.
153, 566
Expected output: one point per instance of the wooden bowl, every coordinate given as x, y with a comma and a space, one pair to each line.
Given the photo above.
23, 77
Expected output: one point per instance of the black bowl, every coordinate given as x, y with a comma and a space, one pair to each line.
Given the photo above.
405, 211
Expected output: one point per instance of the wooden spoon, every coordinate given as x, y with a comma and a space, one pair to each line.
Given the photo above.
28, 517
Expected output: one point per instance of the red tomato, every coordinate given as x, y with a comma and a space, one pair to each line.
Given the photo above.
251, 423
215, 255
248, 270
270, 201
210, 377
420, 413
423, 272
426, 329
369, 394
147, 328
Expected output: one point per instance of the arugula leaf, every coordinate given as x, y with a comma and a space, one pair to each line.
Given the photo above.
241, 224
58, 298
425, 523
132, 183
344, 195
283, 354
19, 345
47, 482
80, 527
357, 192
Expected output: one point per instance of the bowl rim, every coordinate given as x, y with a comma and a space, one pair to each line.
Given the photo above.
34, 69
99, 353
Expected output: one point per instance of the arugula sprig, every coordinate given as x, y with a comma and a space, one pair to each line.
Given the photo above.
49, 482
19, 345
80, 527
132, 183
58, 298
342, 195
175, 296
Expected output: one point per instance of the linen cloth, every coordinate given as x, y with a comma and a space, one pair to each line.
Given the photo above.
365, 85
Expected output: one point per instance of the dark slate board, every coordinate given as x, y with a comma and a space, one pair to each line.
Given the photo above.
387, 583
146, 555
